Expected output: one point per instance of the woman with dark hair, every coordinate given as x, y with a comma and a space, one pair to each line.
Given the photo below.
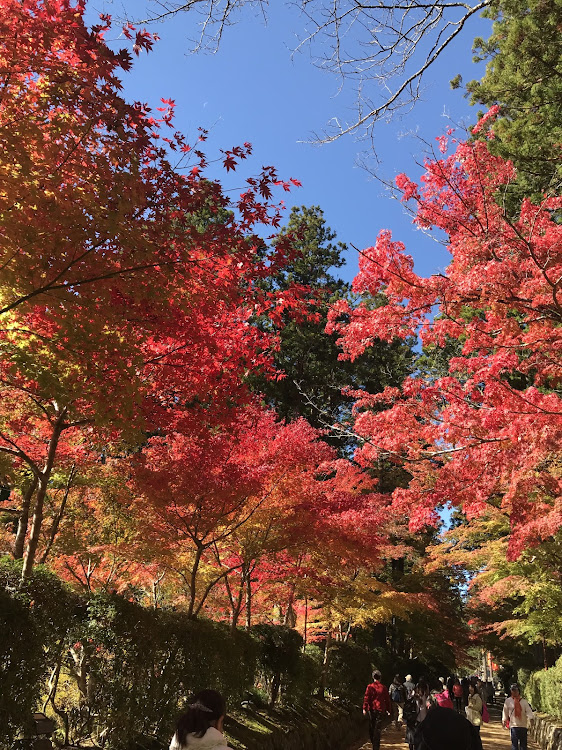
474, 707
201, 725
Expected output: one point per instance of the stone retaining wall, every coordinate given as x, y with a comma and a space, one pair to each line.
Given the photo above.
546, 732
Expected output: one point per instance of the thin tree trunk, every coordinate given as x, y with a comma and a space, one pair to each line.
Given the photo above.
193, 581
44, 477
236, 605
544, 654
60, 514
249, 601
325, 662
289, 618
23, 522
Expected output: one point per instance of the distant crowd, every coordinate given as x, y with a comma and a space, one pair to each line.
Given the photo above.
444, 715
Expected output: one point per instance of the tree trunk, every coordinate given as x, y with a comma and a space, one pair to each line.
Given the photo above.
236, 605
289, 618
249, 601
23, 522
43, 482
275, 685
325, 663
60, 514
193, 581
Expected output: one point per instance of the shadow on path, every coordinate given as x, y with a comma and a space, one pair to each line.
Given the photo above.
494, 736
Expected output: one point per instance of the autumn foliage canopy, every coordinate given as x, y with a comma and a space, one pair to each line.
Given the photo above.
134, 308
486, 430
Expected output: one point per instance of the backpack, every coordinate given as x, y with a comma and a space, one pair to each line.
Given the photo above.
396, 693
410, 712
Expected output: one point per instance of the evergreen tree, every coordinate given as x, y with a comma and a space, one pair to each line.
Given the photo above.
524, 77
308, 357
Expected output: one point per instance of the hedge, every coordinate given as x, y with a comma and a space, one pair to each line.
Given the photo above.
115, 674
544, 690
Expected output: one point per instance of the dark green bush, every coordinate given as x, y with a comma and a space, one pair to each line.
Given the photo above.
22, 666
544, 690
306, 679
349, 671
35, 619
143, 664
52, 604
279, 655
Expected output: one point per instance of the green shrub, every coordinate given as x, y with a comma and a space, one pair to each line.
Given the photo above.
544, 690
349, 671
35, 619
523, 676
143, 664
306, 679
22, 666
278, 658
52, 604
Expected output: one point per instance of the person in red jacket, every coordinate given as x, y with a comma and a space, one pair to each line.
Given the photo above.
376, 705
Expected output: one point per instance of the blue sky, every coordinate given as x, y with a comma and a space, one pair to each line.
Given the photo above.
252, 90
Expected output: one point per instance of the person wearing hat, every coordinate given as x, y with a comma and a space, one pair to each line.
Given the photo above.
516, 715
409, 686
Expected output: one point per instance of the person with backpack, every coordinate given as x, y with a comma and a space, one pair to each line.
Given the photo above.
398, 698
442, 698
376, 705
410, 715
409, 686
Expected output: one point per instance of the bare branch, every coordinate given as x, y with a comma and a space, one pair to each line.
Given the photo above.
383, 46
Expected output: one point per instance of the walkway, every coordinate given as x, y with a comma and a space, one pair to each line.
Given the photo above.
494, 737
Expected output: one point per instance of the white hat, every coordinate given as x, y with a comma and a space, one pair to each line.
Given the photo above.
408, 678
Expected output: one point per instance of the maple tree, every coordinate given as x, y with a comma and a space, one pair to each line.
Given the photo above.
491, 425
115, 274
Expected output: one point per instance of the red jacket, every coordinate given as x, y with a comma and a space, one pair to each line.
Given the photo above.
376, 698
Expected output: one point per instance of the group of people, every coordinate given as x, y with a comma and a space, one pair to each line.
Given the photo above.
430, 716
449, 716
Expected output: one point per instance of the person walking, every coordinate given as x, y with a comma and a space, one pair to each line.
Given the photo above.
398, 698
474, 707
442, 698
445, 729
411, 717
409, 686
458, 697
201, 725
464, 685
515, 716
376, 705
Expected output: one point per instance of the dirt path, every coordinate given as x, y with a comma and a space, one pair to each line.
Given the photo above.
494, 737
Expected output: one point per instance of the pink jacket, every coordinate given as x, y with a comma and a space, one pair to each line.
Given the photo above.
444, 700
